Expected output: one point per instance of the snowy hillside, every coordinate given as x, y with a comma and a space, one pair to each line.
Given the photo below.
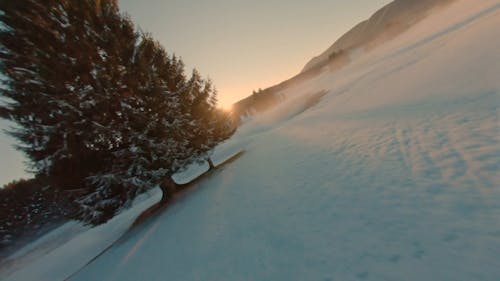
385, 24
394, 175
388, 169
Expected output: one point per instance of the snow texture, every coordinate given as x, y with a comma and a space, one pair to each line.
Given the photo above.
43, 260
193, 171
393, 175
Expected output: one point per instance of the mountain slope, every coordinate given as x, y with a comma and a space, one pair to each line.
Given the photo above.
386, 23
392, 176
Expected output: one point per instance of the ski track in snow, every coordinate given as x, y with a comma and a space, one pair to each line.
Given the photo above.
393, 175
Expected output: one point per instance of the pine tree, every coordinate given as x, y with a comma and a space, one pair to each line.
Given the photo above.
171, 124
100, 105
56, 55
155, 135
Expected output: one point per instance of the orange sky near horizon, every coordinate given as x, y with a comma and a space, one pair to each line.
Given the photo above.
243, 45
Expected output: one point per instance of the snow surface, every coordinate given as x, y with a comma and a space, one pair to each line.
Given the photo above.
196, 169
45, 259
41, 247
191, 172
393, 175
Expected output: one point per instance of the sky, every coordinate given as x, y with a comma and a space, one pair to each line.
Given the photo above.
242, 45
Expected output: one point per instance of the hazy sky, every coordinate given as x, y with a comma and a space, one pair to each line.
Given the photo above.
241, 44
246, 44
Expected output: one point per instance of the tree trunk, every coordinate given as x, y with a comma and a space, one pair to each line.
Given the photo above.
210, 164
168, 187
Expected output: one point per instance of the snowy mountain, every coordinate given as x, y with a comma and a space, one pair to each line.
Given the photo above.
385, 169
385, 24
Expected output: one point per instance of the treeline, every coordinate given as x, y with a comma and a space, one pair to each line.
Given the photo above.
102, 109
29, 208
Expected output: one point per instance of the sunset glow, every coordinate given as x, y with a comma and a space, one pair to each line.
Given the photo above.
244, 45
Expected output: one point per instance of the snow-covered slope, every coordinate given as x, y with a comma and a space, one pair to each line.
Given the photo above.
393, 175
63, 251
386, 23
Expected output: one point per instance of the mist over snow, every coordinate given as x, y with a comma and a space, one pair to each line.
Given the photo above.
387, 169
384, 25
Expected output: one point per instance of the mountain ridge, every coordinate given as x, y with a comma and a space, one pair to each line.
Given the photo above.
382, 26
391, 20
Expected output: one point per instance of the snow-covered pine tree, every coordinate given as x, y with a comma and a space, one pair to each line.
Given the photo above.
202, 107
52, 53
154, 134
66, 67
167, 124
99, 105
